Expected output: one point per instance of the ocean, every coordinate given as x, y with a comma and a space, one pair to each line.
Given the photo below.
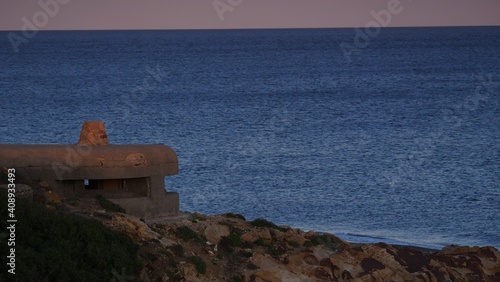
391, 137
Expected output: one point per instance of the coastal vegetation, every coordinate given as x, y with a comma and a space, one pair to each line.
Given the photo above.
55, 246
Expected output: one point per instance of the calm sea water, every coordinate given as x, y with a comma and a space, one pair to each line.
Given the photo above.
400, 144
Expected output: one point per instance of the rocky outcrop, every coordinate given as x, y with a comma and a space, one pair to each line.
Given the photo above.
93, 134
214, 233
228, 248
233, 249
390, 263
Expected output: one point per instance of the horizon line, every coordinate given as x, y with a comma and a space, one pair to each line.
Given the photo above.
252, 28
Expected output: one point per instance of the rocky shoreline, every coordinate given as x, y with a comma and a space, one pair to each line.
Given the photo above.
233, 248
227, 247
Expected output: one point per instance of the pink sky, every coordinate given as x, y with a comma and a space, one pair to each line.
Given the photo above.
201, 14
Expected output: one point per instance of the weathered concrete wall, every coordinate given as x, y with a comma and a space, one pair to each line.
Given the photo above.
132, 176
65, 167
66, 162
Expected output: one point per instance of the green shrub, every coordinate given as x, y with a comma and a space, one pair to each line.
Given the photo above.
308, 244
294, 244
158, 230
235, 239
187, 234
227, 243
165, 253
260, 222
269, 247
53, 246
200, 265
237, 278
171, 269
246, 245
108, 205
195, 217
324, 240
246, 254
233, 229
177, 249
235, 215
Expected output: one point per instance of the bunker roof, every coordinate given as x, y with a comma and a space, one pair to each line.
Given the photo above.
96, 162
91, 158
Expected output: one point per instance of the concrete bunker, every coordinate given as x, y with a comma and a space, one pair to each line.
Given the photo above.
132, 176
126, 187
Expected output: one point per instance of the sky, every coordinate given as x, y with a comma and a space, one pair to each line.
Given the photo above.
216, 14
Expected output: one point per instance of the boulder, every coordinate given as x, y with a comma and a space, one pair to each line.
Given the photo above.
308, 264
250, 236
256, 234
132, 226
265, 235
215, 232
274, 271
294, 236
93, 134
391, 263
